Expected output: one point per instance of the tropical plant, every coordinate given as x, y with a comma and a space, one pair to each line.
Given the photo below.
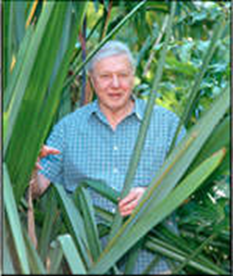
185, 59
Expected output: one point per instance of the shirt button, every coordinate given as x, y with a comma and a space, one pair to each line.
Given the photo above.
115, 170
115, 148
113, 210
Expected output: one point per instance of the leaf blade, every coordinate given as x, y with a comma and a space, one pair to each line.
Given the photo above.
134, 229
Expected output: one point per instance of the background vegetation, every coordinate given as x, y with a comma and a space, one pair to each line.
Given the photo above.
183, 53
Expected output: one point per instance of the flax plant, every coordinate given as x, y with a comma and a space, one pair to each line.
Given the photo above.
38, 88
151, 208
144, 126
195, 89
36, 61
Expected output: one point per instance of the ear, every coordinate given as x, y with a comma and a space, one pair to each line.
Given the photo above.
92, 82
91, 78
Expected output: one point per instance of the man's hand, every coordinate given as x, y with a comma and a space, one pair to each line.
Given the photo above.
38, 183
127, 204
45, 151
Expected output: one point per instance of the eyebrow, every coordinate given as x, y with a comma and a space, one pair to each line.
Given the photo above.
109, 72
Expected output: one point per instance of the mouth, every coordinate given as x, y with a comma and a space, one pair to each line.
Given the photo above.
115, 96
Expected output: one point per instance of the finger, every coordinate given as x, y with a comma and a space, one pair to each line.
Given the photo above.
127, 209
46, 150
135, 193
38, 166
130, 197
127, 212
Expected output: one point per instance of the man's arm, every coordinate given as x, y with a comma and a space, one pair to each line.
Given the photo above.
39, 183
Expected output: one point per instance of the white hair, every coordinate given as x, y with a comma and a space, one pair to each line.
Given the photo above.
111, 48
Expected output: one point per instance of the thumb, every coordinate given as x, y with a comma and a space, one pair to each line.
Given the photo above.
46, 150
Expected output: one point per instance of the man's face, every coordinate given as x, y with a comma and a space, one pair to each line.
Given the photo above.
113, 80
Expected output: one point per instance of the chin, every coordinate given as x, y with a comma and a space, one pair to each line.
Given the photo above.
115, 108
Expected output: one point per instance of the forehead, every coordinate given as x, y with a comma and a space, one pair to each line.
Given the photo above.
113, 63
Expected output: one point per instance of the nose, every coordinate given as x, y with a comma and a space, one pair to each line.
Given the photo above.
115, 81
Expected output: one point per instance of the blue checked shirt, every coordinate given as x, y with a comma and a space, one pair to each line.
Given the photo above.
91, 149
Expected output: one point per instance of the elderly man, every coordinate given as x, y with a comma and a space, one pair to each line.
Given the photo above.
97, 140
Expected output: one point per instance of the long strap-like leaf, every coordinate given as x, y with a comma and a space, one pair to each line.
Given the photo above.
14, 221
192, 95
134, 228
177, 252
25, 73
90, 223
72, 255
75, 224
174, 253
144, 126
36, 264
199, 249
42, 97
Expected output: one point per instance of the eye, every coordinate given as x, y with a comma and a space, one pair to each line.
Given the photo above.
105, 76
124, 75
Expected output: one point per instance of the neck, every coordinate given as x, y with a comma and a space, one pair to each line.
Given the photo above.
115, 116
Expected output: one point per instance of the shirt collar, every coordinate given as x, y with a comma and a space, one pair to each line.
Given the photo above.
138, 109
96, 110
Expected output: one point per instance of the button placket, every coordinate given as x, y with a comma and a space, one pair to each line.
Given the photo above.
115, 170
115, 147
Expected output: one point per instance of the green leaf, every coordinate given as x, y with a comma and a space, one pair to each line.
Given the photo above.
20, 57
27, 77
55, 256
14, 222
105, 215
7, 266
177, 252
7, 40
219, 139
48, 224
146, 215
185, 68
183, 155
103, 189
158, 6
19, 11
193, 93
76, 226
144, 126
72, 256
160, 247
41, 97
90, 223
174, 242
36, 264
197, 251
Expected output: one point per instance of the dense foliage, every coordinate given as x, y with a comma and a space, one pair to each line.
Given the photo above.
44, 78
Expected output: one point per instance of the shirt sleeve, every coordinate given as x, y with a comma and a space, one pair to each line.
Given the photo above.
53, 164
